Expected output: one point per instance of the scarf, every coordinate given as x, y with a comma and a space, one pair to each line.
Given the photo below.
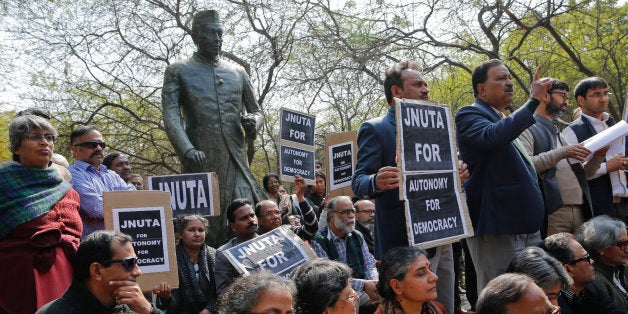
388, 307
194, 291
27, 193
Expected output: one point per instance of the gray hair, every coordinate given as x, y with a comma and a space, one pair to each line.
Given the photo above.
557, 245
22, 125
244, 293
502, 290
332, 205
182, 222
599, 233
395, 265
319, 284
545, 270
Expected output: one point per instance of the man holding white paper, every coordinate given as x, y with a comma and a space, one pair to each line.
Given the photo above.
563, 184
609, 192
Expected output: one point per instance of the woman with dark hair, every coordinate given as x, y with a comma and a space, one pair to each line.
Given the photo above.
195, 260
606, 240
285, 202
260, 292
40, 228
406, 283
323, 287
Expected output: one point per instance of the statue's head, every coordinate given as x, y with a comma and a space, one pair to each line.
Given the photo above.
207, 32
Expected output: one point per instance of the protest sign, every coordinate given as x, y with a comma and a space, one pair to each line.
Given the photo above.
279, 251
340, 158
296, 146
147, 217
190, 193
436, 211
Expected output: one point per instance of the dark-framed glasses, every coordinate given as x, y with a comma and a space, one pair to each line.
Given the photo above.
37, 137
367, 211
622, 244
346, 211
92, 145
565, 95
582, 259
127, 263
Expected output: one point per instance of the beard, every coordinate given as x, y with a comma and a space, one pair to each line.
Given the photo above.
553, 108
344, 225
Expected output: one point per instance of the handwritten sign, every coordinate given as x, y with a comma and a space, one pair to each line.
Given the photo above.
279, 251
296, 149
190, 193
436, 211
147, 217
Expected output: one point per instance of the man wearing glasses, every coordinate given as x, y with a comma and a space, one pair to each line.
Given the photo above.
340, 241
584, 296
609, 192
105, 278
366, 222
90, 178
564, 185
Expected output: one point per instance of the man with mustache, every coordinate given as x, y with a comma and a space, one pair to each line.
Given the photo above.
340, 241
243, 223
366, 221
269, 215
564, 185
119, 163
105, 278
90, 178
503, 195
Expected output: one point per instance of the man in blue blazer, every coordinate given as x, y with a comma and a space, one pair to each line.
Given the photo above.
377, 176
504, 199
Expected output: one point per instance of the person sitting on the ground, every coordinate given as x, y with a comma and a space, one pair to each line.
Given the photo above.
406, 283
40, 228
271, 185
606, 241
260, 292
195, 261
323, 287
584, 296
105, 278
545, 270
511, 293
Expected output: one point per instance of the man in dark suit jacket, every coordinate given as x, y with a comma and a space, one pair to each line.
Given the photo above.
504, 199
377, 177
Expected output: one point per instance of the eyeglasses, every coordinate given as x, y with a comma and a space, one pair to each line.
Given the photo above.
271, 213
92, 145
367, 211
622, 244
584, 258
346, 211
565, 95
36, 137
128, 263
601, 94
352, 296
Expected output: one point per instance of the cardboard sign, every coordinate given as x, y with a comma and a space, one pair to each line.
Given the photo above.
436, 211
297, 127
295, 161
340, 158
147, 217
190, 193
279, 251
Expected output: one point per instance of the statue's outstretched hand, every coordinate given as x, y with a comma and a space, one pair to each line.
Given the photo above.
197, 157
249, 123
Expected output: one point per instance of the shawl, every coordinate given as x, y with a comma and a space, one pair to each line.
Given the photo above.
195, 291
27, 193
388, 307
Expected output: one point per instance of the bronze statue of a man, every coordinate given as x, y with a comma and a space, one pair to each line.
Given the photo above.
207, 102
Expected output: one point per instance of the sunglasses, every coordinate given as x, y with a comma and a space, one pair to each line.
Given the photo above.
92, 145
127, 263
584, 258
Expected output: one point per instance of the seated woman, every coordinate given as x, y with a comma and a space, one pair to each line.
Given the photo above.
285, 203
406, 283
40, 228
195, 261
260, 292
606, 241
323, 287
547, 272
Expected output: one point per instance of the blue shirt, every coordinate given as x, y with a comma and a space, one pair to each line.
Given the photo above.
90, 183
